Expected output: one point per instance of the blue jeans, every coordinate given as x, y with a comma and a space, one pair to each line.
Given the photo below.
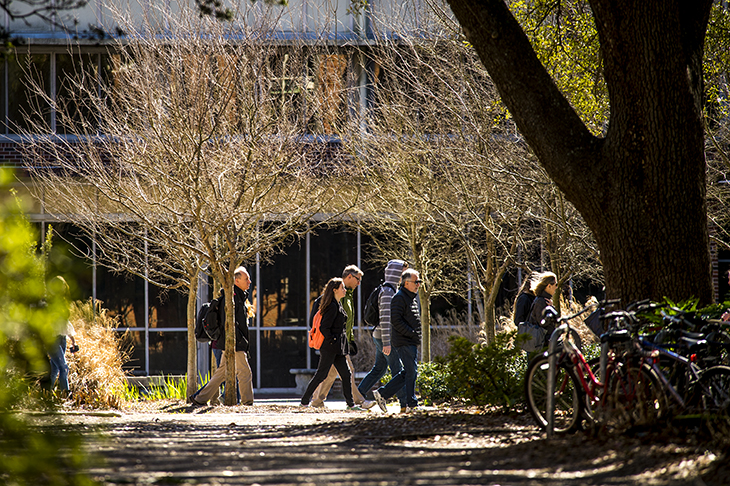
406, 378
382, 362
59, 368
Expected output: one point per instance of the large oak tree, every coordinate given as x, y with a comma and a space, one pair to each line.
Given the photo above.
640, 186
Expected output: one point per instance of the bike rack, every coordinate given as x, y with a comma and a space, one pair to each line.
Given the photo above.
552, 365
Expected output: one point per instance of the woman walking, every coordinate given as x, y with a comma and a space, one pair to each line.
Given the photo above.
335, 347
544, 287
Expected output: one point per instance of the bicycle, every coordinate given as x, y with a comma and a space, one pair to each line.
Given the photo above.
579, 393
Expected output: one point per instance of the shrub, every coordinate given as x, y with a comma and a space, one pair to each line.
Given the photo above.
481, 374
29, 322
432, 383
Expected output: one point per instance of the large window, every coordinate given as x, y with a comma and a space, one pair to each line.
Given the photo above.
22, 108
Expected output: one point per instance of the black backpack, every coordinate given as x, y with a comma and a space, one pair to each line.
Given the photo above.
210, 321
371, 314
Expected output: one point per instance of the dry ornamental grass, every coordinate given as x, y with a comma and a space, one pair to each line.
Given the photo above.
96, 377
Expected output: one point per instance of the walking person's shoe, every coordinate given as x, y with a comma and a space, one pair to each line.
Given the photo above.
367, 404
194, 402
355, 408
380, 401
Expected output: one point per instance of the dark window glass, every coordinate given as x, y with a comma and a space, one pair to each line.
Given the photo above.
71, 258
283, 293
280, 352
72, 72
26, 110
330, 252
135, 345
123, 296
167, 309
168, 353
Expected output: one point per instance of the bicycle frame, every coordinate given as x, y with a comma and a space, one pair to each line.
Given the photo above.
694, 371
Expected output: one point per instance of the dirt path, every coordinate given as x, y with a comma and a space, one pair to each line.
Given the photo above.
172, 443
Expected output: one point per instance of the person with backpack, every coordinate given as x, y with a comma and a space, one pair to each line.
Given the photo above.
523, 302
241, 284
384, 356
351, 277
334, 348
405, 322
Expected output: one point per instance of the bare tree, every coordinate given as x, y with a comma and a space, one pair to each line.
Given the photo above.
200, 151
447, 171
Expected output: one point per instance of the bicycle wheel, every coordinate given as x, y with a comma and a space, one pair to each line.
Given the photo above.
712, 390
568, 409
634, 396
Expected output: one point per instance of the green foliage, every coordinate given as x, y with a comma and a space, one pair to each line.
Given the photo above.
171, 388
432, 383
30, 319
566, 41
481, 374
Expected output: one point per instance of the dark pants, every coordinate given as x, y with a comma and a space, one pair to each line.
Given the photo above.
326, 360
407, 376
382, 363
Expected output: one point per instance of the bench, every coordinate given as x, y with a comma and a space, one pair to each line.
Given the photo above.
302, 377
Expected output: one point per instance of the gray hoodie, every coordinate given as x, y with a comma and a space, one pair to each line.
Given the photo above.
393, 271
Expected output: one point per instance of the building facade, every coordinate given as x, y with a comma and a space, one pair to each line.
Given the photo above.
153, 319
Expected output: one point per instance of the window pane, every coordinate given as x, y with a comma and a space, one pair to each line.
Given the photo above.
168, 353
22, 102
135, 345
124, 297
331, 251
71, 250
75, 116
167, 309
283, 295
280, 352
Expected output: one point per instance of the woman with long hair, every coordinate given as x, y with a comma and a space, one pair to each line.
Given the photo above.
544, 287
523, 302
335, 347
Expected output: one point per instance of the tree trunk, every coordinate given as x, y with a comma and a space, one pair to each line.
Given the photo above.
425, 325
230, 353
226, 278
641, 188
192, 342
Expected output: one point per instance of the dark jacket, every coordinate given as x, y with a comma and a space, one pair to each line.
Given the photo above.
523, 306
538, 306
334, 320
405, 319
239, 298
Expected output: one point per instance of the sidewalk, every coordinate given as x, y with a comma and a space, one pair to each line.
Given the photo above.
329, 404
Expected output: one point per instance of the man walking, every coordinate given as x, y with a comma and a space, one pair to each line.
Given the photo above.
351, 277
241, 284
405, 323
385, 356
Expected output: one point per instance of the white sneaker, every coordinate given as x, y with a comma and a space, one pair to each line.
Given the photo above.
381, 401
367, 404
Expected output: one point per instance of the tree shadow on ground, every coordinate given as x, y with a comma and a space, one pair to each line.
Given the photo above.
414, 449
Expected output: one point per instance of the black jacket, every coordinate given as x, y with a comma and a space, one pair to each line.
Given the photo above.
405, 319
334, 320
239, 298
523, 305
